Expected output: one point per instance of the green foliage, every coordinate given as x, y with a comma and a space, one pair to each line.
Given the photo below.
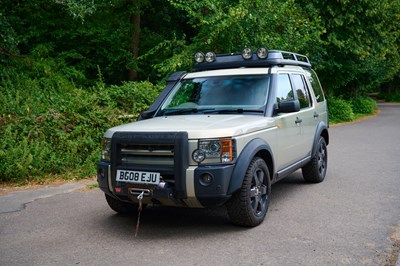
390, 97
49, 125
351, 56
78, 8
229, 26
339, 110
360, 44
8, 42
363, 105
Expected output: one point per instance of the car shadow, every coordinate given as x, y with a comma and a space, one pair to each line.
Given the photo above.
169, 222
159, 222
288, 186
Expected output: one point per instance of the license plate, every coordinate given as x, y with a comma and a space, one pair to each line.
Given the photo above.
138, 177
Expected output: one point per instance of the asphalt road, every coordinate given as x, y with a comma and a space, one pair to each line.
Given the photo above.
352, 218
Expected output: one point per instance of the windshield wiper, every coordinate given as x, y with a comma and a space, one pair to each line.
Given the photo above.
182, 111
238, 110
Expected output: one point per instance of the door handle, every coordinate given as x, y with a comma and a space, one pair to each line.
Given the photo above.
298, 120
316, 115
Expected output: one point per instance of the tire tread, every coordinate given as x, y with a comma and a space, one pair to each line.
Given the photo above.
239, 210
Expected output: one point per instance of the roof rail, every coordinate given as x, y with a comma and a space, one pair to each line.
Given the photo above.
235, 60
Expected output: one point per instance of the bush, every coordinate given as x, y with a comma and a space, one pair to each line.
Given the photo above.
50, 126
339, 110
390, 97
363, 105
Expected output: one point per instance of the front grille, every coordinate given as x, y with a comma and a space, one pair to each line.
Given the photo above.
162, 152
147, 154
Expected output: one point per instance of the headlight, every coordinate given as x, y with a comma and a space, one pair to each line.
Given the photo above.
106, 149
215, 151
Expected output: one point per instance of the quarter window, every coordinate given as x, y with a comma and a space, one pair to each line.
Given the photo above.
316, 86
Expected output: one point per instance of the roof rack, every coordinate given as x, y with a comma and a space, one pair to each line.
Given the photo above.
235, 60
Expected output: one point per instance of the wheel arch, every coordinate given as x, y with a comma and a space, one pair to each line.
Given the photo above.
256, 147
321, 131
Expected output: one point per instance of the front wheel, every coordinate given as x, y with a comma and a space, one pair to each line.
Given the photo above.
249, 205
315, 170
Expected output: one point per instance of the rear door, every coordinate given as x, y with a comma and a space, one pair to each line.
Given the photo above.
306, 115
289, 130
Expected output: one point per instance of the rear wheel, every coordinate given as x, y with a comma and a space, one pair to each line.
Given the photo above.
120, 206
315, 170
249, 205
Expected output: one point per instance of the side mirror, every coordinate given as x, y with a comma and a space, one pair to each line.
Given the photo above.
289, 106
146, 115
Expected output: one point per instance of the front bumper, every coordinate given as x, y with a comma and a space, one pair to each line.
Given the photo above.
198, 194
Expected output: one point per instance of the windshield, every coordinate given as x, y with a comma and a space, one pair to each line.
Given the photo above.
242, 94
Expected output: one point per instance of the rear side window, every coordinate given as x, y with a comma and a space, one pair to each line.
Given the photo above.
316, 86
301, 90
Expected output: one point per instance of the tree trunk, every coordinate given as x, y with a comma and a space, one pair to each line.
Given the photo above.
135, 20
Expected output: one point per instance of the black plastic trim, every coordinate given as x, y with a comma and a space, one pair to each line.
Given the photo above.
291, 168
243, 161
322, 130
180, 141
103, 181
171, 82
216, 192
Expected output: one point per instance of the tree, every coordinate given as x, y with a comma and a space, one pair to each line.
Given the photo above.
360, 43
135, 20
229, 26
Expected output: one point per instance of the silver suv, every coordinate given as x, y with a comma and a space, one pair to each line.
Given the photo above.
221, 136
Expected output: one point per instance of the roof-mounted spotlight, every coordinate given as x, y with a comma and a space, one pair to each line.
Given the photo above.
210, 57
247, 53
262, 53
199, 57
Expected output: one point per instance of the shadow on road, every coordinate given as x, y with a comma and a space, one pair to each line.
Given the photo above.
158, 222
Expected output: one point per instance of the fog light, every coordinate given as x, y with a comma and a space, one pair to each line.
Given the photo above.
210, 57
247, 53
206, 179
262, 53
199, 57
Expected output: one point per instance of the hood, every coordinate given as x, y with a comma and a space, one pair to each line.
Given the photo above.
199, 126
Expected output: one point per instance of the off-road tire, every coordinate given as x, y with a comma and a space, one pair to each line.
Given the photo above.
248, 206
120, 206
315, 170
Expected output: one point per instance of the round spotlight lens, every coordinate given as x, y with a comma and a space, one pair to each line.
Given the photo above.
262, 53
247, 53
206, 179
199, 57
210, 57
198, 156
